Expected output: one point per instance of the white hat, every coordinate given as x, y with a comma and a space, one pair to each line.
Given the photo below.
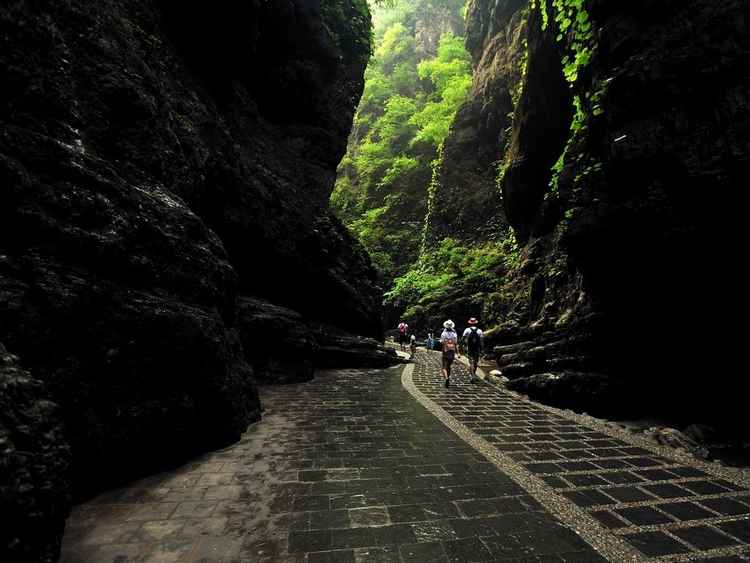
448, 324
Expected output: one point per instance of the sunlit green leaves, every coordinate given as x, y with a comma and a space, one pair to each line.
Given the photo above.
450, 72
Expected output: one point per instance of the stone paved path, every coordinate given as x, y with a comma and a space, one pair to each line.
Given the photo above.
665, 506
352, 468
346, 468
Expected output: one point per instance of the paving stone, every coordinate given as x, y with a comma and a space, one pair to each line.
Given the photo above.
704, 487
688, 472
352, 537
643, 516
589, 498
704, 537
609, 520
585, 480
656, 475
685, 511
668, 490
423, 552
309, 541
628, 494
726, 506
468, 550
394, 534
622, 478
656, 544
740, 529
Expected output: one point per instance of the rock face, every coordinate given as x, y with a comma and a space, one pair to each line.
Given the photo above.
618, 177
287, 348
157, 161
34, 459
467, 205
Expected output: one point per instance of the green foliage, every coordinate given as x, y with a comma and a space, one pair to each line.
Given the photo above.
450, 72
405, 114
432, 190
451, 269
575, 35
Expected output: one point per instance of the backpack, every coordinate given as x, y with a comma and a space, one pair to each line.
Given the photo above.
474, 341
402, 328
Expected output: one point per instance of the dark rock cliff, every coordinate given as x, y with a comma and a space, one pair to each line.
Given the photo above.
34, 459
158, 162
619, 175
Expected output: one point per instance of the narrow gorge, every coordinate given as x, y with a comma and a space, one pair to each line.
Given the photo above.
197, 202
579, 205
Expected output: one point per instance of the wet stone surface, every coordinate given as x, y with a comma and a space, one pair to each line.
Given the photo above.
352, 468
665, 509
346, 468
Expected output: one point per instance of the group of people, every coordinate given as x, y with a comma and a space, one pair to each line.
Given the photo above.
449, 345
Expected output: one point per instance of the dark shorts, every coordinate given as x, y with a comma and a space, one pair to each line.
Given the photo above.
402, 338
448, 361
473, 356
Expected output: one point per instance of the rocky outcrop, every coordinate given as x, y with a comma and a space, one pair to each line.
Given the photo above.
288, 349
281, 348
158, 160
592, 393
466, 205
627, 147
338, 349
34, 458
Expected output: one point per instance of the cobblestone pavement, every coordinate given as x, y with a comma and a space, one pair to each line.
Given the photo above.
619, 495
347, 468
351, 468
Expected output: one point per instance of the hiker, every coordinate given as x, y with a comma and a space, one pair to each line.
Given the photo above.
412, 345
430, 341
472, 339
403, 334
449, 342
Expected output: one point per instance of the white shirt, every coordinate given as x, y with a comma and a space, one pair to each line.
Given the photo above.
468, 331
448, 335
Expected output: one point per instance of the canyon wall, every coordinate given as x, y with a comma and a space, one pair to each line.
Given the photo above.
618, 168
160, 164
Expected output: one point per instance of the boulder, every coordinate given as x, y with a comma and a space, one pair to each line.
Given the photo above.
592, 393
34, 464
278, 344
338, 349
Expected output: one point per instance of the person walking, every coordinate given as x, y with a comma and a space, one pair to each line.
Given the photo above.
449, 342
430, 341
403, 331
412, 346
472, 339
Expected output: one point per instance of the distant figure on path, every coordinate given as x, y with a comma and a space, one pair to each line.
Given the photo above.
449, 341
403, 329
430, 341
412, 345
472, 338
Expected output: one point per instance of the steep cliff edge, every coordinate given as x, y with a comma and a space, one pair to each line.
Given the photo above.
627, 147
157, 162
